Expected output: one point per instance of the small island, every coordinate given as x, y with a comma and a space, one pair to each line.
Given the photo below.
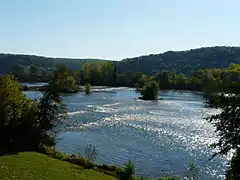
149, 91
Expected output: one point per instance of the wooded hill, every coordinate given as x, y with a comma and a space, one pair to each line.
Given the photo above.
15, 62
185, 62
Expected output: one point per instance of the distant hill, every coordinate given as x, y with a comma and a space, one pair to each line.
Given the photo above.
185, 62
9, 61
182, 61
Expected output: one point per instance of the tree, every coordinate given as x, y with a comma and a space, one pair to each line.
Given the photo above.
51, 111
227, 125
26, 124
64, 81
100, 73
11, 110
227, 122
142, 80
163, 79
150, 90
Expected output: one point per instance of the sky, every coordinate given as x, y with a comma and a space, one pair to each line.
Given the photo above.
116, 29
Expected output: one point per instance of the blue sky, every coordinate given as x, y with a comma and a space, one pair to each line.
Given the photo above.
116, 29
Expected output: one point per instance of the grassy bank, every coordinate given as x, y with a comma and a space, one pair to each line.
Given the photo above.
31, 165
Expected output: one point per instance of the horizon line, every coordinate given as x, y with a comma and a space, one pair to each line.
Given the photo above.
109, 59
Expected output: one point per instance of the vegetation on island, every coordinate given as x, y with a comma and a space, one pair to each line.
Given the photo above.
149, 90
88, 89
64, 81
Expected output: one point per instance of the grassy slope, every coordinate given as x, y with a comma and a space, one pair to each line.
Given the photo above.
31, 165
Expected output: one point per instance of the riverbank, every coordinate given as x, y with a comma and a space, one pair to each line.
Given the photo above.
33, 165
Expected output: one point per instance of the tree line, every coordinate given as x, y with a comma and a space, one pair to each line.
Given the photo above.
186, 62
106, 74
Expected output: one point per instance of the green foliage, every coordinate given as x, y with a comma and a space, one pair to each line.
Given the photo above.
88, 88
64, 81
150, 90
84, 162
185, 62
227, 122
99, 73
141, 81
21, 65
228, 127
128, 171
26, 124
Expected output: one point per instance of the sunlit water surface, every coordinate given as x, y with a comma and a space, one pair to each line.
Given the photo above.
162, 137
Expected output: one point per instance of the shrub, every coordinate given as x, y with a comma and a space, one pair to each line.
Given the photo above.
84, 162
50, 151
107, 167
88, 88
128, 171
150, 90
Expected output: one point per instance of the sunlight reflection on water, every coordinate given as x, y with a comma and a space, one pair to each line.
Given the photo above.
162, 137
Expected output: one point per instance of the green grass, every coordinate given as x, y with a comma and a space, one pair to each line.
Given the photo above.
32, 165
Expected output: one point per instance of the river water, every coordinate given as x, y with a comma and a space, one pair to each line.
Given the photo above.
161, 137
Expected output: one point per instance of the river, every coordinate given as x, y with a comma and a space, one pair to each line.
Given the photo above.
161, 137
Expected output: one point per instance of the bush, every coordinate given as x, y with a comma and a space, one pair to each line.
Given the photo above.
84, 162
50, 151
150, 90
128, 171
88, 88
107, 167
